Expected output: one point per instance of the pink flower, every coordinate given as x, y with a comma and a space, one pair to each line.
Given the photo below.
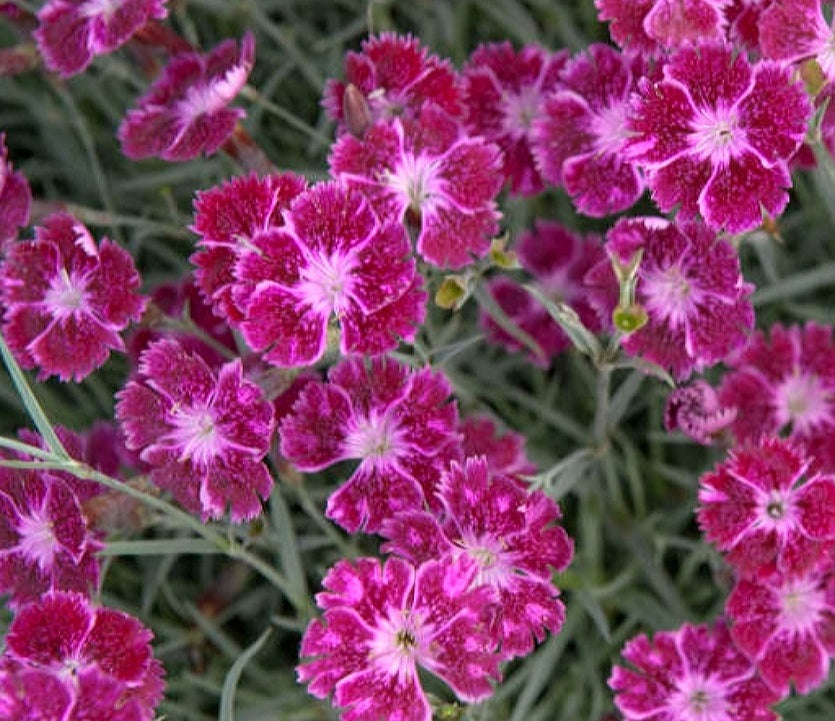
227, 218
786, 384
15, 198
396, 77
397, 422
767, 511
430, 172
786, 625
710, 140
794, 30
578, 139
648, 26
690, 283
382, 623
504, 452
695, 410
510, 533
185, 112
743, 18
44, 540
67, 299
504, 91
68, 653
691, 674
558, 260
73, 32
204, 434
333, 261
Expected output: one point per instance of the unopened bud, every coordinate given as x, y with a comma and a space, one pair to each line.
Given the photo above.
356, 112
628, 319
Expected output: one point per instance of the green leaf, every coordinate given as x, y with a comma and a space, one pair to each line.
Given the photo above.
160, 547
230, 685
565, 316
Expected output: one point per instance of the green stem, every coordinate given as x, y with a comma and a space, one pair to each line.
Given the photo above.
600, 428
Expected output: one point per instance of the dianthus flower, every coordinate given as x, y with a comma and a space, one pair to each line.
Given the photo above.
710, 138
429, 169
397, 422
204, 434
15, 198
396, 76
67, 299
558, 260
767, 511
648, 26
743, 18
578, 139
73, 32
786, 625
504, 91
334, 260
793, 30
185, 113
695, 410
44, 540
690, 283
382, 623
504, 452
227, 218
512, 536
76, 662
786, 384
691, 674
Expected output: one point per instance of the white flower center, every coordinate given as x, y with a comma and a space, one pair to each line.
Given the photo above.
520, 110
100, 8
37, 539
326, 283
399, 642
65, 295
669, 295
802, 401
416, 180
195, 435
801, 604
609, 125
700, 698
716, 135
375, 438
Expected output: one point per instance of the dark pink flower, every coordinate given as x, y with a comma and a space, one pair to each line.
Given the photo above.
61, 646
793, 30
510, 533
227, 218
381, 624
690, 283
29, 694
15, 198
503, 451
579, 137
558, 260
692, 674
504, 91
743, 19
204, 434
73, 32
334, 261
399, 423
785, 384
711, 139
695, 410
786, 625
67, 299
44, 540
184, 114
431, 170
397, 77
767, 510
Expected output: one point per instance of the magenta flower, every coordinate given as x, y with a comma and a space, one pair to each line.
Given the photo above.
67, 299
396, 77
786, 625
767, 511
558, 261
690, 283
578, 139
184, 113
73, 32
333, 261
70, 654
692, 674
227, 218
743, 18
504, 91
429, 169
382, 623
397, 422
695, 410
504, 452
786, 384
513, 537
794, 30
710, 140
44, 540
15, 198
204, 434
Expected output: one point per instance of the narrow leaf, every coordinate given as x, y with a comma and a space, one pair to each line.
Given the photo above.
227, 697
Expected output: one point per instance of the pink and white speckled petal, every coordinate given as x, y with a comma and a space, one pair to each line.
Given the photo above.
601, 184
791, 30
562, 131
674, 23
627, 23
313, 433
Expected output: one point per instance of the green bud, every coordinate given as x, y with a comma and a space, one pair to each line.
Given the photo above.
628, 319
